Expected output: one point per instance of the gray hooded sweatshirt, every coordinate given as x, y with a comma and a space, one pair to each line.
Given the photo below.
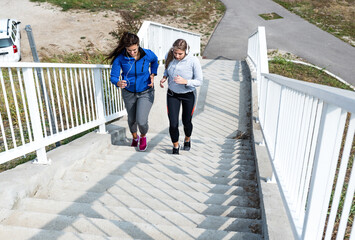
188, 68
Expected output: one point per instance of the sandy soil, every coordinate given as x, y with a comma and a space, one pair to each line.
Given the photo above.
56, 31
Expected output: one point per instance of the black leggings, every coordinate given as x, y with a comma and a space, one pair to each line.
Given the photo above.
174, 100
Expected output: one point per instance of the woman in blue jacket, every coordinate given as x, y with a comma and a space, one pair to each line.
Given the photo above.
184, 73
133, 70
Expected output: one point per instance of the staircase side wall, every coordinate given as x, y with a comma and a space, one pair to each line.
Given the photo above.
275, 220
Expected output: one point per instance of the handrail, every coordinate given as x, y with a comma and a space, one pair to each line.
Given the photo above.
308, 130
342, 98
257, 51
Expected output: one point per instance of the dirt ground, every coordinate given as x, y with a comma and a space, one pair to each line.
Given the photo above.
56, 31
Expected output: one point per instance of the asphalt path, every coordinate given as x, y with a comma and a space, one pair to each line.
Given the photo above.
291, 34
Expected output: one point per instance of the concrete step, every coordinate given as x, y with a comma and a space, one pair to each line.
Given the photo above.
150, 192
115, 228
201, 152
161, 143
121, 166
202, 147
84, 176
100, 182
139, 215
130, 152
20, 233
141, 170
148, 201
198, 140
162, 139
91, 209
164, 159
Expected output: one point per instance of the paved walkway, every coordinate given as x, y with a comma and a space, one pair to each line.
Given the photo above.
291, 34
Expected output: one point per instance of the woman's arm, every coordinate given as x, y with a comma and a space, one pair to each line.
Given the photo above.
115, 72
153, 68
162, 81
154, 64
197, 77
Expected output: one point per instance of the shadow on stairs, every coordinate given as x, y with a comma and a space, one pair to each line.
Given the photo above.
209, 192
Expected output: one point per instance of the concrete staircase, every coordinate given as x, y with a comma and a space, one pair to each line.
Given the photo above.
209, 192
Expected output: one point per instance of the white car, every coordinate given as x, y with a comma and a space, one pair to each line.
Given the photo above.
10, 40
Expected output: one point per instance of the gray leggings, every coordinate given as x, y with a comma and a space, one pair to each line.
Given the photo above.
138, 106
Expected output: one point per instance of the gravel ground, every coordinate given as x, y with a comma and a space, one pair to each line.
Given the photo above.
56, 31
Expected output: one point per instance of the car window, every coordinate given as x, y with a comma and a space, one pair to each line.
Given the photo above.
13, 36
14, 28
5, 42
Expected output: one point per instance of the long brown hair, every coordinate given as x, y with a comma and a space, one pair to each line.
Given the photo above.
127, 39
180, 44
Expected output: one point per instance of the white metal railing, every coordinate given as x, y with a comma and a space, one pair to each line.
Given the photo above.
309, 131
159, 38
43, 103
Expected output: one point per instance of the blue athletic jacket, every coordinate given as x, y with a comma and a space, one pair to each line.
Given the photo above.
135, 72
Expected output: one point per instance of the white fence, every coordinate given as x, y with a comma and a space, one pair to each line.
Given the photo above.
43, 103
159, 38
309, 131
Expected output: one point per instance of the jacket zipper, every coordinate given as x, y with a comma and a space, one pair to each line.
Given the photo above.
143, 64
135, 75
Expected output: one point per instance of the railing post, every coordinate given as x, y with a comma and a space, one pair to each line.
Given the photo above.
34, 115
324, 166
263, 61
99, 100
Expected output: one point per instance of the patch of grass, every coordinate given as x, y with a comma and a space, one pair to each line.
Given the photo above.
129, 23
270, 16
186, 10
78, 57
281, 66
335, 17
74, 4
197, 10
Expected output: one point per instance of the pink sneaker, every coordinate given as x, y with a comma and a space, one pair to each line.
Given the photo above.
135, 142
143, 144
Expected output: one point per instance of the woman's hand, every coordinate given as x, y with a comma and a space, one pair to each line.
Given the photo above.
179, 80
122, 84
162, 81
151, 80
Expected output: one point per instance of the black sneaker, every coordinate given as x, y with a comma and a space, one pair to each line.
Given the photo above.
187, 146
175, 150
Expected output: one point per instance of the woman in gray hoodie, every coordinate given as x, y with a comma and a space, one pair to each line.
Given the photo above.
184, 73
